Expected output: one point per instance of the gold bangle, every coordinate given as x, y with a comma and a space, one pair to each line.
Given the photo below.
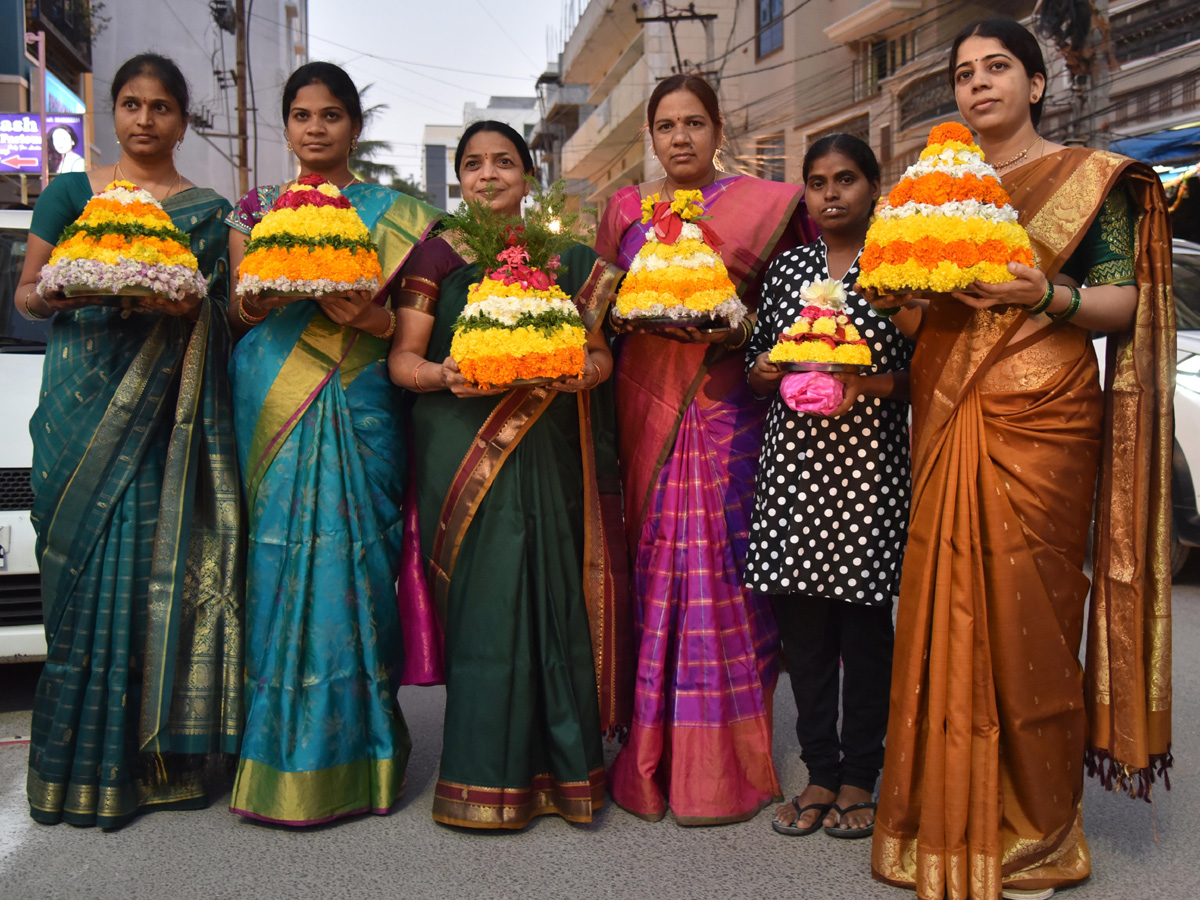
744, 326
248, 317
391, 329
417, 381
29, 313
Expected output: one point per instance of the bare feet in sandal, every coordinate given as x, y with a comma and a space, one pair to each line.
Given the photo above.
802, 815
853, 813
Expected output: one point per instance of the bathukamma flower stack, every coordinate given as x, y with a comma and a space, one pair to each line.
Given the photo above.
123, 243
948, 223
677, 275
311, 242
824, 333
518, 325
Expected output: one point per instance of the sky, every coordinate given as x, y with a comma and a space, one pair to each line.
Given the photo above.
426, 59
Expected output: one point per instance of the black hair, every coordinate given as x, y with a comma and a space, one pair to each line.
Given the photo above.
500, 128
162, 69
1018, 41
848, 145
68, 129
334, 78
694, 85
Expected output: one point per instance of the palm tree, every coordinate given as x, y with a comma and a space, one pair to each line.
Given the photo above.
362, 160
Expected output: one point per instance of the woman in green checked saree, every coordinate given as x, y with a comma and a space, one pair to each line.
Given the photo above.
323, 459
136, 503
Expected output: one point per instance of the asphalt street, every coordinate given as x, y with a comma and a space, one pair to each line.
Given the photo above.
1139, 850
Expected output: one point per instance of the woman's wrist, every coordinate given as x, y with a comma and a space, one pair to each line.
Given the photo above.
434, 380
384, 326
31, 306
1045, 301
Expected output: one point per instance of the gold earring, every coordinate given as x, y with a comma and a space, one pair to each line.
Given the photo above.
288, 143
353, 145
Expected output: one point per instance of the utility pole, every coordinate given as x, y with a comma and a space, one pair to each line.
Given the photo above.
690, 15
1079, 30
243, 163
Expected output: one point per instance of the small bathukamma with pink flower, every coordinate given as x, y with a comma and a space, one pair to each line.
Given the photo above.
123, 244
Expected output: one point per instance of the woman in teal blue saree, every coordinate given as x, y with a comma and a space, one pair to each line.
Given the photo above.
136, 507
323, 462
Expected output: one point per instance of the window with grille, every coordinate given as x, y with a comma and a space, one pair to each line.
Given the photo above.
881, 58
770, 26
772, 164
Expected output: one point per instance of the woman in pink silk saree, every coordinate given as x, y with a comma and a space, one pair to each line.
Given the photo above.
689, 432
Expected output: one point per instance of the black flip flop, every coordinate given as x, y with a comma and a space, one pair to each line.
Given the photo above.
795, 831
838, 831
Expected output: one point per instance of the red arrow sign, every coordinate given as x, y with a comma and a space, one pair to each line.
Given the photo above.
16, 162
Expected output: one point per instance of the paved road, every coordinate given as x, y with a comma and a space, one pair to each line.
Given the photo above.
1138, 850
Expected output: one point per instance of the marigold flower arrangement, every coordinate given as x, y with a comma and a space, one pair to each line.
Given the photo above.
677, 274
518, 324
947, 223
824, 333
123, 244
311, 242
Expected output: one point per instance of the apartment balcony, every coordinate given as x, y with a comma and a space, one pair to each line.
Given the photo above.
612, 126
68, 27
604, 30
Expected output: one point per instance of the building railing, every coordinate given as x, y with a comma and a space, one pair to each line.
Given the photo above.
68, 22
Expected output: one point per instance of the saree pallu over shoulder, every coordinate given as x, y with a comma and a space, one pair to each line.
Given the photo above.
987, 690
1128, 673
405, 224
138, 515
656, 380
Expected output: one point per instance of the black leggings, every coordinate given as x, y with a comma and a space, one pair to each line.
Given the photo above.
816, 633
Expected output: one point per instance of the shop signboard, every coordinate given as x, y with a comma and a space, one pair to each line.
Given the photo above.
20, 143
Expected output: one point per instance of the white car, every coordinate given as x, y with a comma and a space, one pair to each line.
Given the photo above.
22, 351
1185, 468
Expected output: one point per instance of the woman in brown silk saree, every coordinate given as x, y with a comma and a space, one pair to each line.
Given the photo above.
992, 716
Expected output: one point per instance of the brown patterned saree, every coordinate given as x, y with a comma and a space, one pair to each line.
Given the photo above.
991, 713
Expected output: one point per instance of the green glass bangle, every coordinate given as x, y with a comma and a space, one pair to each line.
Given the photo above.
1043, 304
1072, 307
889, 312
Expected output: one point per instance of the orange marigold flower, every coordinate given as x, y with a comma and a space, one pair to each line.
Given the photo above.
962, 253
872, 256
934, 188
950, 131
901, 193
1023, 255
929, 251
994, 251
897, 252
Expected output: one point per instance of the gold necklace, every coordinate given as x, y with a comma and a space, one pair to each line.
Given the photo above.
1020, 156
118, 175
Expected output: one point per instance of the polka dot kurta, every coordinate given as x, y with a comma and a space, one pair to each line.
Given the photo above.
832, 495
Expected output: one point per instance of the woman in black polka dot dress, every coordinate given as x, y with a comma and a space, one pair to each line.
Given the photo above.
831, 506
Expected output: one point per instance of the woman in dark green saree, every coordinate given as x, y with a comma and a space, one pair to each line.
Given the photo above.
136, 504
508, 487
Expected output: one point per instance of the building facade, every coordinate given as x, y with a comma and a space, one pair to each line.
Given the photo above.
198, 35
439, 142
876, 69
67, 104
